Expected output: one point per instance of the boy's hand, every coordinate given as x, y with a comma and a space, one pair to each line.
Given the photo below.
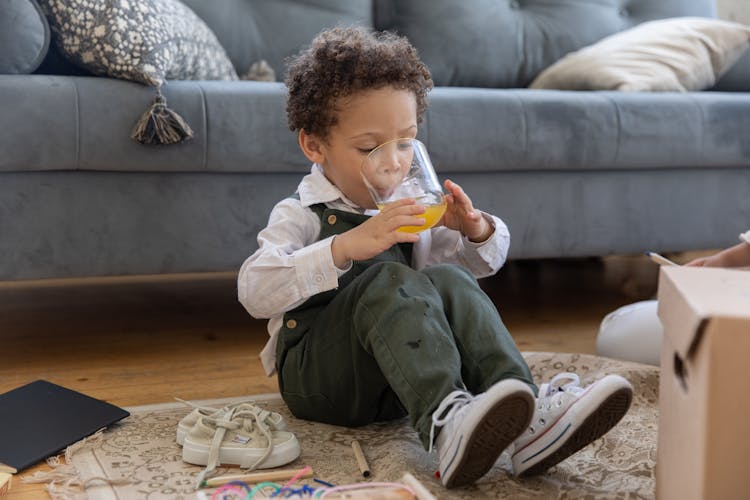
462, 216
378, 233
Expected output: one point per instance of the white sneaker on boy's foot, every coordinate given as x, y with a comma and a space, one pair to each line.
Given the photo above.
476, 429
567, 418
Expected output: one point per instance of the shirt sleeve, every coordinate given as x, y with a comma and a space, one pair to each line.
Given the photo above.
482, 259
289, 266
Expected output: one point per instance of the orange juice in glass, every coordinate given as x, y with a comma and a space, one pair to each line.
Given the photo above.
399, 169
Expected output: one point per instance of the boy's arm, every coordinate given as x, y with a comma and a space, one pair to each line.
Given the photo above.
289, 266
482, 259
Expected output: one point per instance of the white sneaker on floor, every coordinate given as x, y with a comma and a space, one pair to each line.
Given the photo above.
238, 436
567, 418
476, 429
274, 420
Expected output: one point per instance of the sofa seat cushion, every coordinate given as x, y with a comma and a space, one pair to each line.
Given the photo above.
241, 127
24, 36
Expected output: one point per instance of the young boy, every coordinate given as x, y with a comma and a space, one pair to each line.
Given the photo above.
368, 323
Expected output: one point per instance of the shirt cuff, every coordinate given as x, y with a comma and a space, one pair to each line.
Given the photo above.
347, 267
491, 222
491, 253
315, 269
745, 237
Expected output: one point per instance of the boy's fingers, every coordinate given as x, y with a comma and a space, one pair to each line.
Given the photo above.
408, 210
454, 188
399, 203
404, 237
460, 197
408, 220
406, 205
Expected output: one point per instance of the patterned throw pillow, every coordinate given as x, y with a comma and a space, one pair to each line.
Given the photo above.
146, 41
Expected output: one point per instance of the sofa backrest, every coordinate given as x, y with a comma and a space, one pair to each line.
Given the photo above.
506, 43
272, 30
467, 43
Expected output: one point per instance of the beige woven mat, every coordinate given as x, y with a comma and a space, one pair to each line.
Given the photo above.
620, 465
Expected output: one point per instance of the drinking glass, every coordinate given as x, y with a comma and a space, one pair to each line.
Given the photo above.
399, 169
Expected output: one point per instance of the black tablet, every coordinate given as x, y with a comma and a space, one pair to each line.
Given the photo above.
39, 419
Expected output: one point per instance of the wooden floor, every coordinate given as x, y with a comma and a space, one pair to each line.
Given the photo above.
141, 340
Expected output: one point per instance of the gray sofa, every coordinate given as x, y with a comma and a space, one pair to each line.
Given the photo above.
572, 173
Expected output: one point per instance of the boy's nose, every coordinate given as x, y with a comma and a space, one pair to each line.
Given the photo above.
394, 161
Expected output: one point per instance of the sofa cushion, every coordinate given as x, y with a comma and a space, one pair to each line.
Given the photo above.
24, 36
737, 79
506, 43
241, 127
679, 54
552, 130
273, 30
147, 41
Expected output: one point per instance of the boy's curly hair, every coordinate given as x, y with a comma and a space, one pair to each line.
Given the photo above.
343, 61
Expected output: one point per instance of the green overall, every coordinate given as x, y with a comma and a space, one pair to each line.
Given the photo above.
391, 341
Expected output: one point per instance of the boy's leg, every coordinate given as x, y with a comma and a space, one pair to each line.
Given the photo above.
382, 345
566, 417
488, 352
373, 353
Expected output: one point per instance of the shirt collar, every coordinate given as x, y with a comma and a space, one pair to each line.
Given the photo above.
316, 188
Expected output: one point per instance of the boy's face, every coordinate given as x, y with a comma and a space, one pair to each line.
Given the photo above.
365, 120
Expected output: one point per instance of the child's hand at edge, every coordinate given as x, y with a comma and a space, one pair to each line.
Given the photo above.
736, 256
378, 233
462, 216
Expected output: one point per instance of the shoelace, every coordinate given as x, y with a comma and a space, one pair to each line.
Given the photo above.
236, 418
455, 400
551, 394
553, 391
210, 409
264, 415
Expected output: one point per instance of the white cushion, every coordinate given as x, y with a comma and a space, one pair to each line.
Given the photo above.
677, 54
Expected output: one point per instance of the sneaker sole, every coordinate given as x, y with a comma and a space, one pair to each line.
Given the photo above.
282, 454
609, 413
495, 432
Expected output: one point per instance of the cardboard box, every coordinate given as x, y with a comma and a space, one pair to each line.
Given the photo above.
704, 392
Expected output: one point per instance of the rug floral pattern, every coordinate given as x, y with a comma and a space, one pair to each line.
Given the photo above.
620, 465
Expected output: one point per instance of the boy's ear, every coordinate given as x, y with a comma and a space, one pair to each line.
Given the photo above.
312, 147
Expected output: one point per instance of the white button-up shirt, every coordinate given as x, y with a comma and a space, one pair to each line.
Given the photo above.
291, 265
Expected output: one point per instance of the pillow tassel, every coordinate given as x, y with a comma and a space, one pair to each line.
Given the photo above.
161, 125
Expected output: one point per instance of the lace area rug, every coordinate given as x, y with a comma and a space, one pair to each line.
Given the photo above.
620, 465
